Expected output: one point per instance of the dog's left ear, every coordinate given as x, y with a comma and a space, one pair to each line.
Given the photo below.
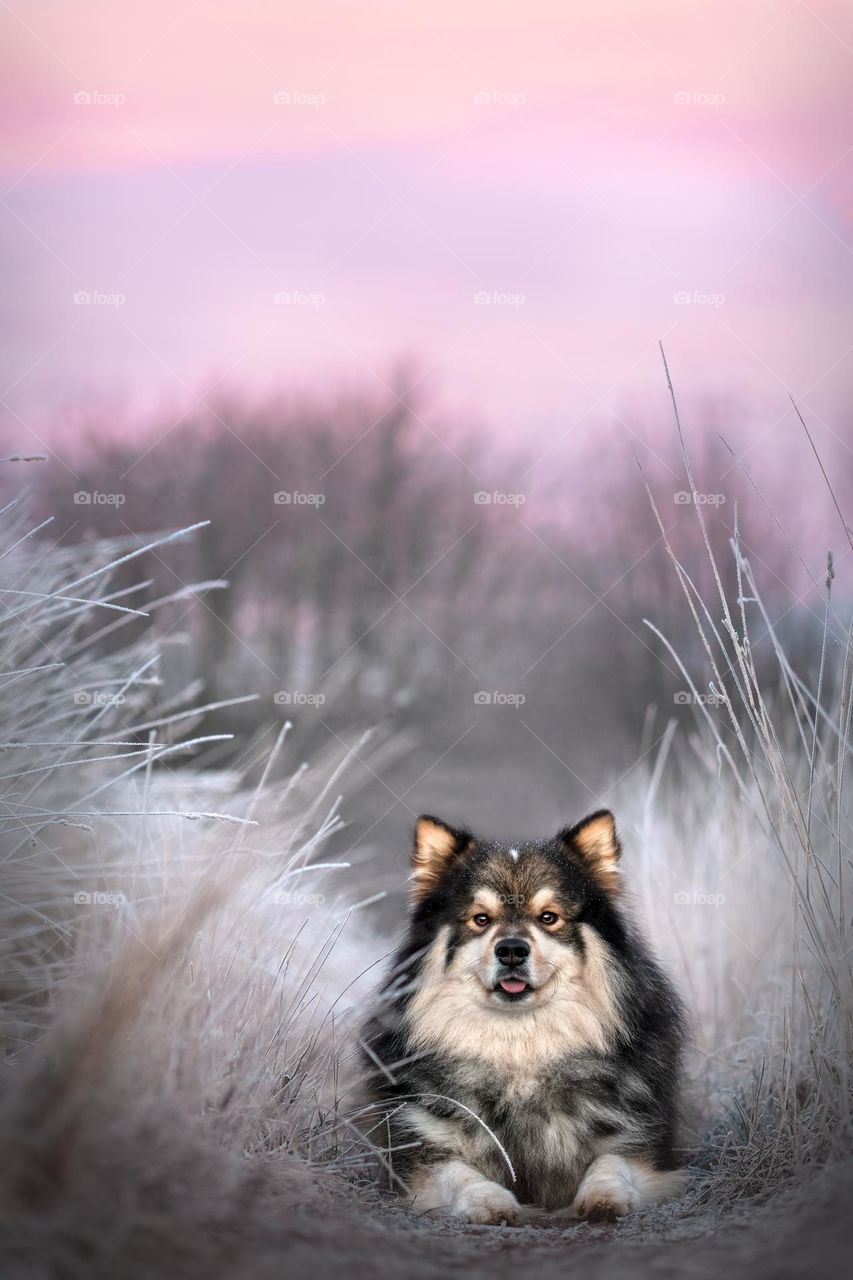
595, 841
434, 848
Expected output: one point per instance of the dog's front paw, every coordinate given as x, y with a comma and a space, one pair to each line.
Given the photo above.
486, 1202
606, 1197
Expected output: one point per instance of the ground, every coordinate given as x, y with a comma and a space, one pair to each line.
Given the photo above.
804, 1232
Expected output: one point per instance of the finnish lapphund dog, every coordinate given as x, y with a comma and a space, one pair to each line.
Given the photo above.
523, 1052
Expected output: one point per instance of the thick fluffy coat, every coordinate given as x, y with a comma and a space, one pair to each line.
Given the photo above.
525, 1045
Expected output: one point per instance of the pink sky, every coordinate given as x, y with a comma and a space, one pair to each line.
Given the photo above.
581, 164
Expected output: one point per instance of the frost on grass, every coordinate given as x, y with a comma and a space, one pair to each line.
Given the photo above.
180, 962
183, 964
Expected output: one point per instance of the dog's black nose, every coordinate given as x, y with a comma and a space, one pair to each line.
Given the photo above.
512, 951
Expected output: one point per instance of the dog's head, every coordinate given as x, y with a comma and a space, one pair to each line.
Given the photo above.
509, 927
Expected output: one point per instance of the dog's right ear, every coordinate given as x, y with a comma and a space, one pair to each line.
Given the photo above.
434, 848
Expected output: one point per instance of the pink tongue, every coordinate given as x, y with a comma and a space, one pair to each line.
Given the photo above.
513, 985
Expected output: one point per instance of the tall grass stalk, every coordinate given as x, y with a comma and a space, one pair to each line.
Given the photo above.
785, 750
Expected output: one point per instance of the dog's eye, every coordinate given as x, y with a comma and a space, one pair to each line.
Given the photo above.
480, 919
548, 917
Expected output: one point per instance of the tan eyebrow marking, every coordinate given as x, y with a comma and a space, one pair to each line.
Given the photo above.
543, 899
487, 900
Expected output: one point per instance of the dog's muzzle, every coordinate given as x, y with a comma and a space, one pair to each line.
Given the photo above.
512, 954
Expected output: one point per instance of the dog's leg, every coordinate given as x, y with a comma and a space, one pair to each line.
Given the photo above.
615, 1185
460, 1190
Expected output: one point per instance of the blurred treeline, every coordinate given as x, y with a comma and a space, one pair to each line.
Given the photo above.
387, 589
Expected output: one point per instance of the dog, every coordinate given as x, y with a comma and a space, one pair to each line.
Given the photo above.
524, 1049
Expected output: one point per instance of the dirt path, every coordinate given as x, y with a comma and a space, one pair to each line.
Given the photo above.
798, 1234
279, 1223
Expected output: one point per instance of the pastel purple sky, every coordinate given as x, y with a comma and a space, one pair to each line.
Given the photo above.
591, 162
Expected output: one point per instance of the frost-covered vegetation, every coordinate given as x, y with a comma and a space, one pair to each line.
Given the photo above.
189, 931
